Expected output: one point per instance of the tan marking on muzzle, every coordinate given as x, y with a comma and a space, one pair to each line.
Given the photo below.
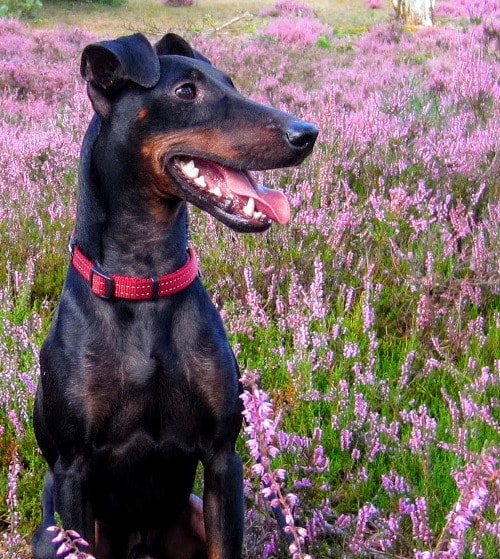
208, 143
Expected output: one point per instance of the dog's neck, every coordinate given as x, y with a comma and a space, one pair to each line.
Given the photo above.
126, 234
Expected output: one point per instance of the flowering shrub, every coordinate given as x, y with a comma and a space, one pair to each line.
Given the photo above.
373, 318
474, 9
290, 8
295, 23
374, 4
300, 31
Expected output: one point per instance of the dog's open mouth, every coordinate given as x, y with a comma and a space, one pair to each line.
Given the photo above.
228, 194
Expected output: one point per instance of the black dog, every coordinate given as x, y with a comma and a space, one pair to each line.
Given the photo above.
138, 381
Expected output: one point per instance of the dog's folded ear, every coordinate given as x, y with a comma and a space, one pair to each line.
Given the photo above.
108, 65
174, 44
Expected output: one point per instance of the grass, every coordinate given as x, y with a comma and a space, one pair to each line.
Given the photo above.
149, 16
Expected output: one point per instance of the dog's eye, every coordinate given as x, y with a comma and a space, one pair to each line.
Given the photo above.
187, 92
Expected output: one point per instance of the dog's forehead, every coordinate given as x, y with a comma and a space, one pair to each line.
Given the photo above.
183, 67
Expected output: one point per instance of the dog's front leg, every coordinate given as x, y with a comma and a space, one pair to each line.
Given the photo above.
71, 498
223, 504
42, 545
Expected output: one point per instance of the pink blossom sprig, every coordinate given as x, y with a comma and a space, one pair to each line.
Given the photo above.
261, 429
69, 544
479, 486
374, 535
12, 537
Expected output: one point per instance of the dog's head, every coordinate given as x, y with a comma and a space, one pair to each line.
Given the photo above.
197, 136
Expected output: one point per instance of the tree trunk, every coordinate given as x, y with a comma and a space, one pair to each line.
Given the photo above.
415, 12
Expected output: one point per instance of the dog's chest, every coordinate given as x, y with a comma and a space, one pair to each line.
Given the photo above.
130, 388
154, 373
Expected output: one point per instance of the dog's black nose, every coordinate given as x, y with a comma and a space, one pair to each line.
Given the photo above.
301, 134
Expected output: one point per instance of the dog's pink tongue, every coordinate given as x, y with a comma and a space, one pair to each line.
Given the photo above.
271, 202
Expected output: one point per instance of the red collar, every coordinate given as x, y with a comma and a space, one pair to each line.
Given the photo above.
110, 286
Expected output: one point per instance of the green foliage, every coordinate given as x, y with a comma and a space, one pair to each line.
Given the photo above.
27, 9
21, 332
324, 43
112, 3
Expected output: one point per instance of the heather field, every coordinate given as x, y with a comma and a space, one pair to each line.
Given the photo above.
368, 329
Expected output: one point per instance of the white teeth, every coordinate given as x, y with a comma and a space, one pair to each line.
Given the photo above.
249, 209
190, 169
200, 181
192, 172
